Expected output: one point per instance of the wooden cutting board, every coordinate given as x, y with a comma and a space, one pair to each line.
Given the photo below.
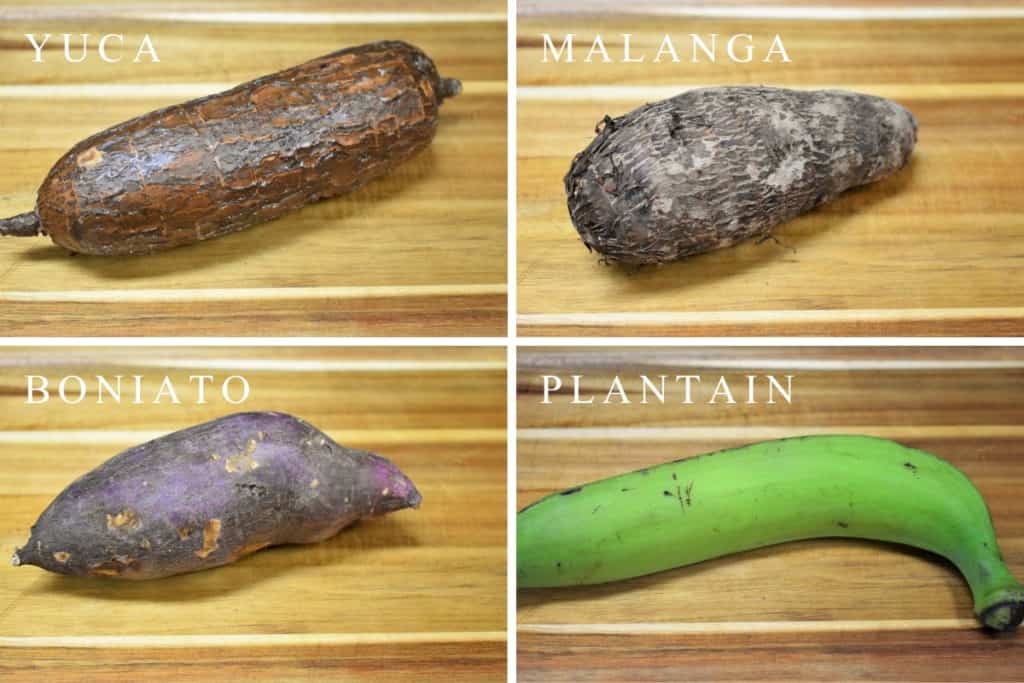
932, 250
415, 593
815, 610
423, 249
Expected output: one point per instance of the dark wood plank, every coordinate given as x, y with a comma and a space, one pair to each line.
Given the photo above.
811, 655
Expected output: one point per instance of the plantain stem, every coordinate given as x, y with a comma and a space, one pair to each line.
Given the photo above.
23, 225
1002, 608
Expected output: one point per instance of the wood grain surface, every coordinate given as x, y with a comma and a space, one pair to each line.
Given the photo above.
422, 593
925, 252
422, 251
814, 610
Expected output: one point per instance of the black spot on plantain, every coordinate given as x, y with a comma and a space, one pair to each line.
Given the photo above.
910, 466
569, 492
844, 525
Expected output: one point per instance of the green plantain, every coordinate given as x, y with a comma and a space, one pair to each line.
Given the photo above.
699, 508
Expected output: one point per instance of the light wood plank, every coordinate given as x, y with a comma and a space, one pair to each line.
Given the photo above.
236, 42
347, 396
883, 388
774, 8
822, 50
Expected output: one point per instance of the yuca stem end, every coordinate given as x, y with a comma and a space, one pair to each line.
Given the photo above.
23, 225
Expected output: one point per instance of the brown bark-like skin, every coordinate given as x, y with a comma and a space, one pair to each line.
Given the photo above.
715, 166
222, 163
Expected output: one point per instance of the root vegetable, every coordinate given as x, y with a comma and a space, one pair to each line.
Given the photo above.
715, 166
209, 495
223, 163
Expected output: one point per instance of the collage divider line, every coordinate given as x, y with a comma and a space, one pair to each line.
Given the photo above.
511, 340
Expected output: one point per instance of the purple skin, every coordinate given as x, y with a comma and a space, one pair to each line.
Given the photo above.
209, 495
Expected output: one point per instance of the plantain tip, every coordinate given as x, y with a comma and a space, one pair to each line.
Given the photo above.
1005, 615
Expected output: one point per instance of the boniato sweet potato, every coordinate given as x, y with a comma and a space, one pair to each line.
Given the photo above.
225, 162
715, 166
210, 494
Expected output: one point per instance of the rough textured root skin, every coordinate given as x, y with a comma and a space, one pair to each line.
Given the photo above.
715, 166
209, 495
223, 163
